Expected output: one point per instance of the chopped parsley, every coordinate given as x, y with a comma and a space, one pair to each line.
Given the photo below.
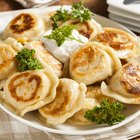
78, 11
61, 34
26, 60
108, 113
60, 16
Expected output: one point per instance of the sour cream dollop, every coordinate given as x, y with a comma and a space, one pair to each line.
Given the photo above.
67, 48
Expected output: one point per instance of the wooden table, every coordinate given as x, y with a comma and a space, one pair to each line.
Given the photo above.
101, 9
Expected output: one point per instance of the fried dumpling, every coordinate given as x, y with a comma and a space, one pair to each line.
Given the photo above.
69, 99
47, 19
125, 84
17, 46
45, 57
122, 42
30, 90
2, 83
93, 98
25, 26
137, 54
133, 59
88, 28
7, 62
92, 63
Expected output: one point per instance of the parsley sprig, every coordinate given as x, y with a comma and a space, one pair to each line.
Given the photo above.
26, 61
62, 33
61, 15
78, 12
108, 113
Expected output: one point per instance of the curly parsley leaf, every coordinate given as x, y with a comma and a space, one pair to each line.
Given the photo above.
108, 113
61, 34
61, 15
80, 12
26, 61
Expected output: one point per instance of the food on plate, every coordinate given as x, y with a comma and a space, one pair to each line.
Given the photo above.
37, 49
7, 61
63, 41
69, 99
122, 42
78, 16
24, 27
92, 63
45, 57
134, 59
77, 12
89, 28
2, 83
30, 90
17, 46
93, 98
124, 85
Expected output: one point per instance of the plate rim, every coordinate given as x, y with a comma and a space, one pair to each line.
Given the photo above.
56, 131
73, 132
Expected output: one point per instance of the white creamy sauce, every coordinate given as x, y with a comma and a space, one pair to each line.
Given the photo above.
66, 49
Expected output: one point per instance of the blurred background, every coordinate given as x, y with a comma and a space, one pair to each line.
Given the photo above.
101, 9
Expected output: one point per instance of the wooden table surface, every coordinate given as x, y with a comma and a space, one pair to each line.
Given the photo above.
101, 9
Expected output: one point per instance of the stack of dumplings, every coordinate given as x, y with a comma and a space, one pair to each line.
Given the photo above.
63, 92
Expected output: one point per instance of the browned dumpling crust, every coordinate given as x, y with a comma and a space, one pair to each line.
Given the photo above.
25, 26
7, 62
130, 79
125, 84
93, 62
69, 99
88, 29
45, 57
122, 42
30, 90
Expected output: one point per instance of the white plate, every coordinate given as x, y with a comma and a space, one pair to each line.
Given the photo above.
133, 8
31, 118
123, 13
134, 26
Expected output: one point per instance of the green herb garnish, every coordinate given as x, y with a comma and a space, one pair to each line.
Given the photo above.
108, 113
80, 12
61, 34
26, 61
60, 16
